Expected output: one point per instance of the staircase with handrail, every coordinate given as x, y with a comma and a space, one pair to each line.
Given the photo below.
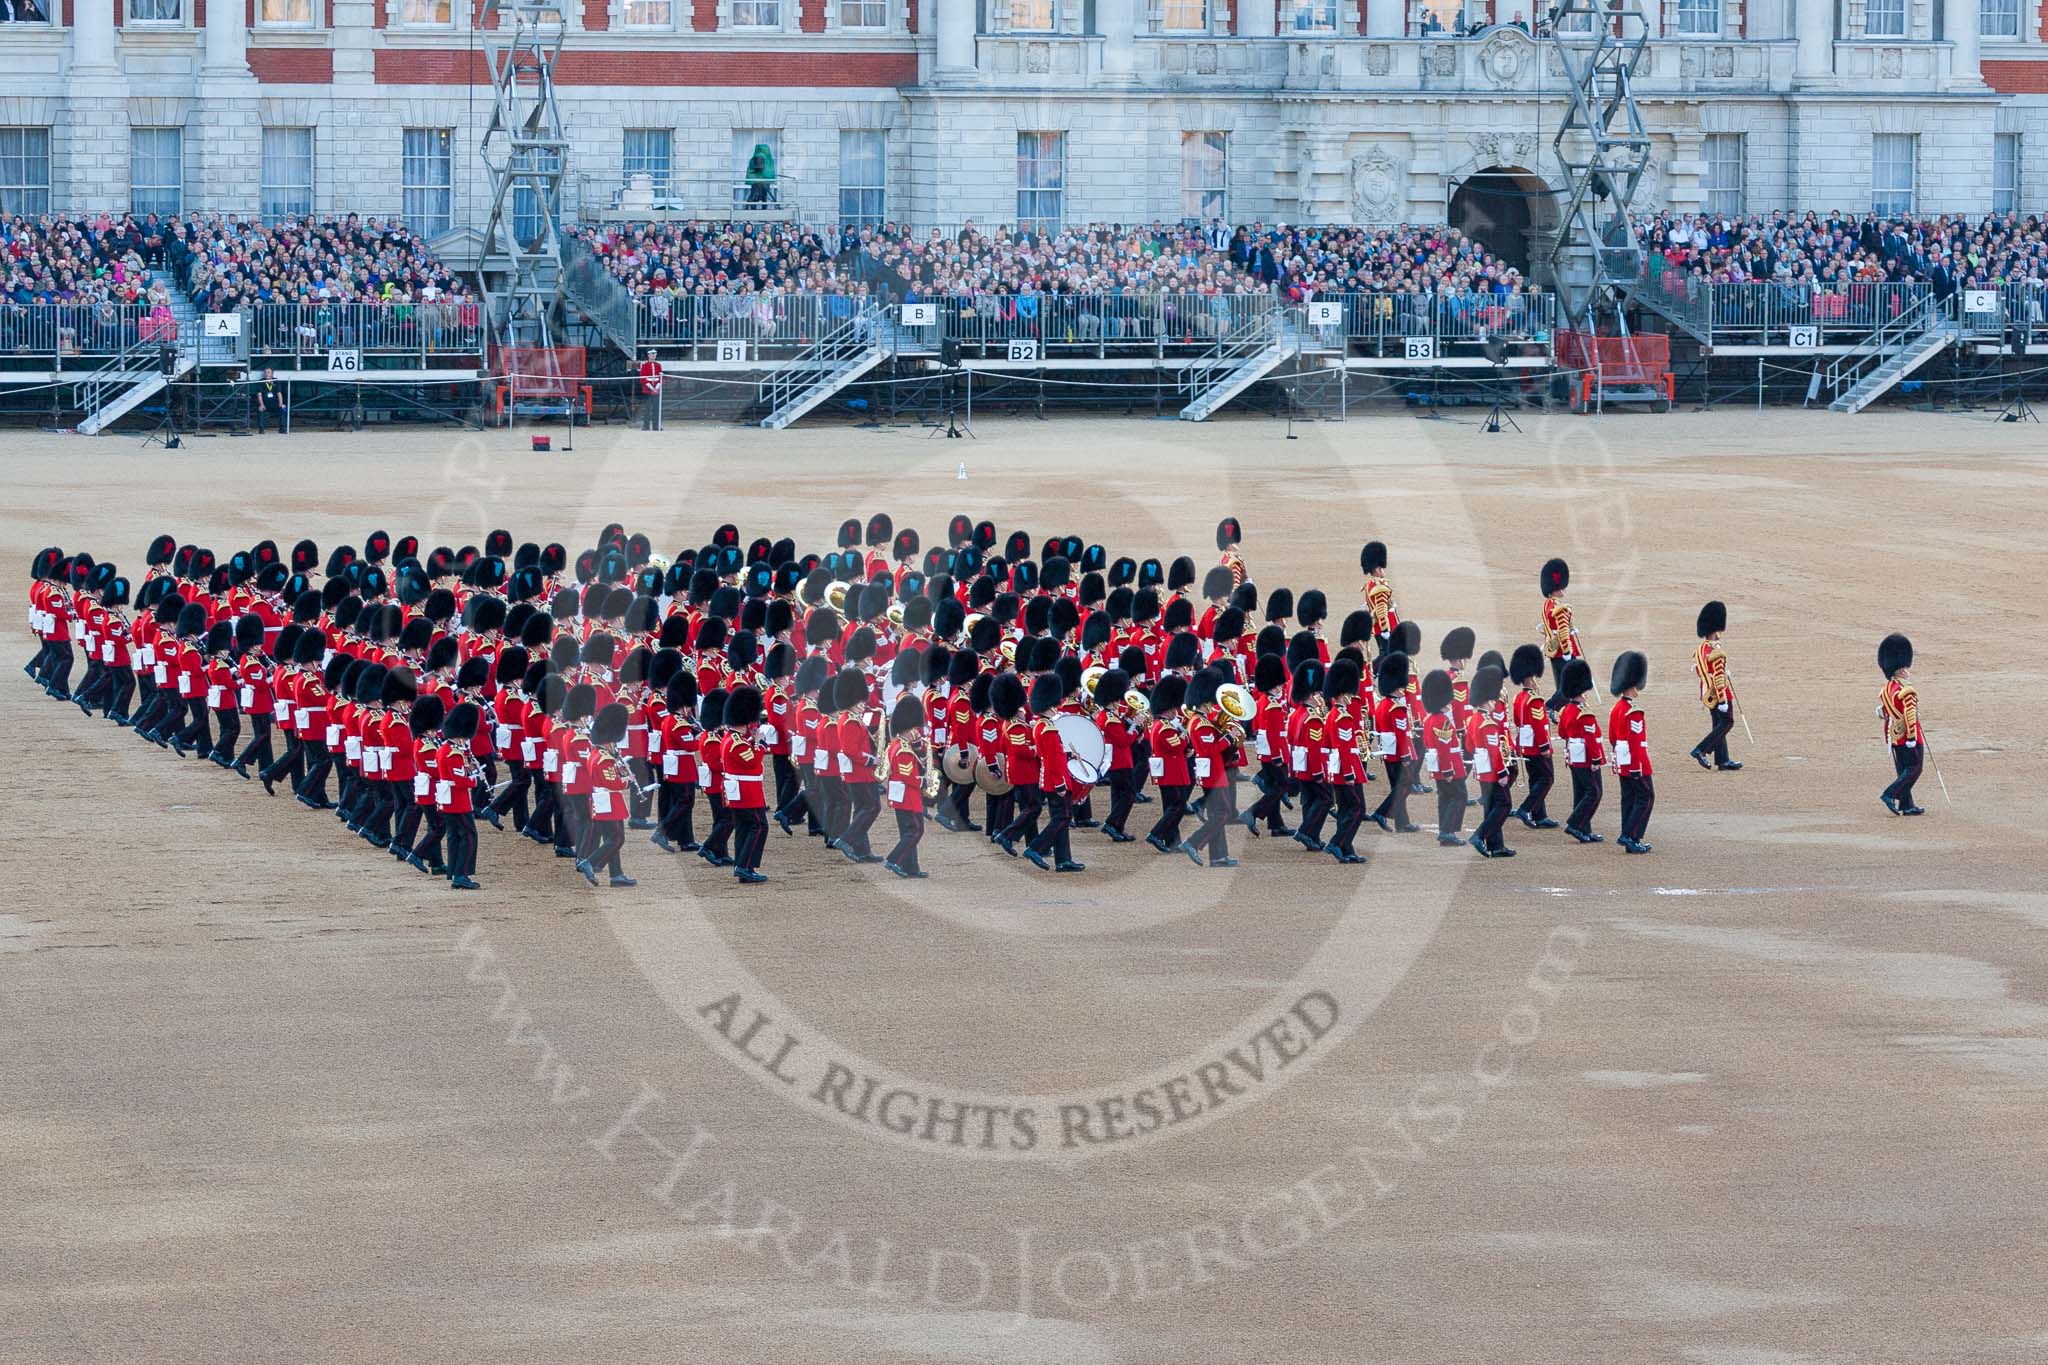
823, 368
1889, 354
138, 373
1240, 359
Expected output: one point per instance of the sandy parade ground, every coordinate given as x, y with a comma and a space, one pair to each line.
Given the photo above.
1776, 1094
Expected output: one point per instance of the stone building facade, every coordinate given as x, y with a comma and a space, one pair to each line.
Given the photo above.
935, 111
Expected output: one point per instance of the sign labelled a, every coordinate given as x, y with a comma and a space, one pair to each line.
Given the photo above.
1026, 351
1805, 338
1419, 348
920, 314
345, 362
222, 325
732, 352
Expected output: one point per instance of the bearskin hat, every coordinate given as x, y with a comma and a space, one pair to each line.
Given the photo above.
610, 725
1526, 664
427, 715
1459, 642
1713, 619
1393, 675
462, 721
1556, 576
1894, 652
1313, 609
1577, 680
1485, 686
1632, 669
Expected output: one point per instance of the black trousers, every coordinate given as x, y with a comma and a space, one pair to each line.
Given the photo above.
1350, 815
638, 802
290, 764
1219, 805
828, 802
716, 841
607, 837
1025, 805
909, 834
678, 813
461, 830
1493, 813
864, 805
1715, 745
750, 825
1173, 805
405, 830
512, 800
120, 687
547, 805
960, 796
230, 727
428, 846
1123, 790
1272, 785
1907, 760
383, 806
199, 728
789, 793
1450, 804
1587, 787
572, 823
57, 671
1400, 776
258, 748
1316, 801
1058, 808
1542, 777
1638, 796
319, 763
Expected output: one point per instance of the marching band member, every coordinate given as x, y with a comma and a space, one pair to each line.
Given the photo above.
456, 775
857, 767
1348, 739
1378, 594
904, 766
423, 722
1444, 756
1122, 727
1209, 747
1627, 735
1529, 736
680, 736
1717, 693
1270, 745
1898, 706
1168, 737
1008, 698
1560, 638
1391, 725
1229, 535
1054, 793
1486, 735
1309, 745
744, 784
1579, 727
609, 806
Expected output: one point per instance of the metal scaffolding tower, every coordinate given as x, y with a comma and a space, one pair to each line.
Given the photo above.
1602, 150
528, 156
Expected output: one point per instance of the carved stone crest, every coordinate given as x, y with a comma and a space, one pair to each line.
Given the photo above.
1503, 149
1379, 59
1377, 186
1440, 59
1890, 61
1503, 57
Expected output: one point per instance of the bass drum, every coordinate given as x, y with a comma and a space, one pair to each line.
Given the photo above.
1087, 750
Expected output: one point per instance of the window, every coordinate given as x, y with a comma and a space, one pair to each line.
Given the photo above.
287, 173
1724, 173
529, 219
426, 13
863, 14
649, 152
1699, 18
427, 180
863, 172
1041, 181
1892, 158
1885, 19
1203, 176
756, 173
1031, 16
2005, 173
1184, 16
285, 12
1315, 16
156, 170
649, 14
156, 11
24, 170
2001, 18
757, 13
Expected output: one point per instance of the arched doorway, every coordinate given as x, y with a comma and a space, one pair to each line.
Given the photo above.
1508, 210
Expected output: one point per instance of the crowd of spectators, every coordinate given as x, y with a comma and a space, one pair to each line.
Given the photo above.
97, 260
664, 262
1830, 252
229, 263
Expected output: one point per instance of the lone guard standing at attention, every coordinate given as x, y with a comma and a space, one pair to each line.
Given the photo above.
1717, 694
650, 393
1899, 707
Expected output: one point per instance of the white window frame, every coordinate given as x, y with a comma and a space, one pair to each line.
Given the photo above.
1021, 16
1721, 197
311, 21
145, 19
631, 163
423, 222
271, 187
1999, 20
135, 165
1192, 194
1699, 18
1884, 18
641, 14
862, 11
406, 22
18, 158
1884, 193
1032, 161
1197, 10
2007, 175
860, 216
755, 9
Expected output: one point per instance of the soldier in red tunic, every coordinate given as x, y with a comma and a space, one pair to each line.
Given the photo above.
1529, 737
1717, 693
1486, 737
1898, 705
1579, 727
1628, 736
744, 781
904, 767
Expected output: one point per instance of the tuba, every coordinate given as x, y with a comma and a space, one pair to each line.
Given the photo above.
835, 596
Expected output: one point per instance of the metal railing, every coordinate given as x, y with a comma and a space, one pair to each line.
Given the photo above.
1232, 349
854, 335
1883, 342
427, 333
52, 334
698, 322
599, 295
1764, 314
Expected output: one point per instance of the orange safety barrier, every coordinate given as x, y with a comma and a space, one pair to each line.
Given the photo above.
1637, 362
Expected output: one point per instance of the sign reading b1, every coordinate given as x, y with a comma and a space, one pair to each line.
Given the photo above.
732, 352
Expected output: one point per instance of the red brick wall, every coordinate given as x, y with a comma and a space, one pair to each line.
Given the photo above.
865, 70
704, 17
292, 65
810, 16
2017, 78
597, 15
913, 13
